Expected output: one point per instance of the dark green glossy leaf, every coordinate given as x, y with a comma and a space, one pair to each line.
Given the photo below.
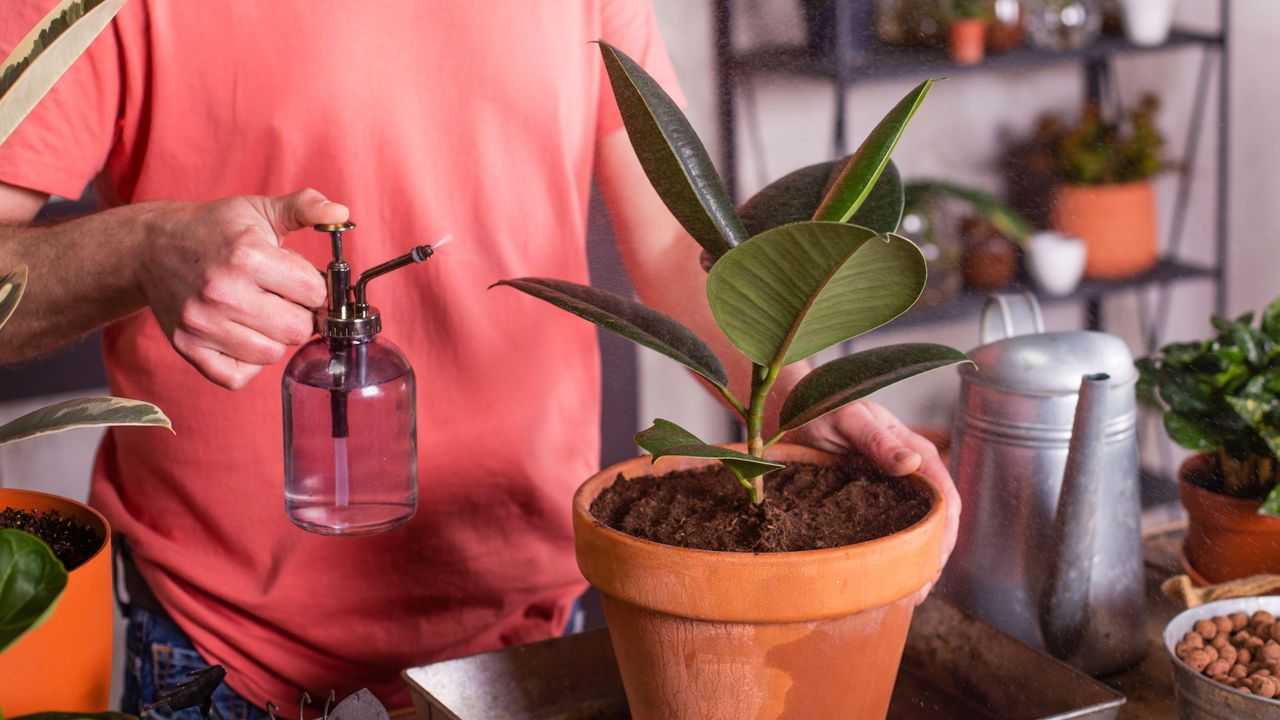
861, 172
11, 287
672, 156
1271, 321
1272, 504
843, 380
31, 580
636, 322
1258, 415
1188, 433
665, 438
795, 198
1007, 221
795, 290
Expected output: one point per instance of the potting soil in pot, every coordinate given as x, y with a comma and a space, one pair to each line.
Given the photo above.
806, 507
71, 541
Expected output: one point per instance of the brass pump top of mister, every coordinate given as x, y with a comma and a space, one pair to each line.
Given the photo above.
347, 315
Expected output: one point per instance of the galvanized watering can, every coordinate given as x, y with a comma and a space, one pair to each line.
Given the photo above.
1045, 457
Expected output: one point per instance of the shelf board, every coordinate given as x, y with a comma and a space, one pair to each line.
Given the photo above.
884, 61
968, 303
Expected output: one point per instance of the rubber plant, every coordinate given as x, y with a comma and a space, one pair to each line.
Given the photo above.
31, 577
1222, 396
791, 275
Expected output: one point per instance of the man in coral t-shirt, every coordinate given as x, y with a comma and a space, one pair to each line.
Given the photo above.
198, 123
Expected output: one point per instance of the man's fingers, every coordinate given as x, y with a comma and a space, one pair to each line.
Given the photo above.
278, 319
219, 367
874, 437
301, 209
289, 275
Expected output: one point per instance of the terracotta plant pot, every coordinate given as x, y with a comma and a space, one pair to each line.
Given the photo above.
988, 260
1116, 222
65, 664
1226, 537
742, 636
968, 41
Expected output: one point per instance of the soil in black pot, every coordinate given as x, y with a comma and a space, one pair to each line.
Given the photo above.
71, 541
806, 507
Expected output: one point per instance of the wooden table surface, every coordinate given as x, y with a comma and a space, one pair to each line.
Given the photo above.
1149, 686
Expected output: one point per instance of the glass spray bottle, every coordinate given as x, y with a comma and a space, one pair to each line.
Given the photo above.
350, 441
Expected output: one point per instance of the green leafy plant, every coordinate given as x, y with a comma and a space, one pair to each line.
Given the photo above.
1222, 396
1096, 151
957, 10
789, 276
1008, 222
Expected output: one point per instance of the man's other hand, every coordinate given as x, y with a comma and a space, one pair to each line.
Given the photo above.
871, 430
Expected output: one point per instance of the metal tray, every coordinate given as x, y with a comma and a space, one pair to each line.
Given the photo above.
954, 666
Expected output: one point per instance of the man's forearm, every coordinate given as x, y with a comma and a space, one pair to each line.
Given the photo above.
83, 274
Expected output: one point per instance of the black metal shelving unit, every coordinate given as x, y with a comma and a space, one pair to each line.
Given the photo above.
859, 58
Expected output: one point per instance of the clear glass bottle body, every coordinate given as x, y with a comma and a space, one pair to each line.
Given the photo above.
350, 438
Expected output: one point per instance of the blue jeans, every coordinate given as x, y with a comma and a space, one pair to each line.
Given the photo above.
158, 657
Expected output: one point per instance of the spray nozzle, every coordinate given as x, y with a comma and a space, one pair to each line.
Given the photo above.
347, 315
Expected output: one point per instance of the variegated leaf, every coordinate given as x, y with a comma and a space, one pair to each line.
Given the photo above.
83, 412
11, 287
46, 52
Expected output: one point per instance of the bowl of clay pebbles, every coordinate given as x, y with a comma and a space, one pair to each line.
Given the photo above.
1226, 659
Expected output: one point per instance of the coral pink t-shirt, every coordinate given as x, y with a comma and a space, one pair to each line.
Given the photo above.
478, 118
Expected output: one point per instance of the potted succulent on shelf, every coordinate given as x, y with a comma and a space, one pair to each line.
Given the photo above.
967, 30
705, 621
55, 618
1221, 397
1105, 195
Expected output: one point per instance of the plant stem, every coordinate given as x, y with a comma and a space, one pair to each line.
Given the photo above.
762, 379
733, 401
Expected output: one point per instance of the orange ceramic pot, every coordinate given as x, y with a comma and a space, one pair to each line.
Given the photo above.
968, 41
1226, 537
1116, 222
65, 664
703, 635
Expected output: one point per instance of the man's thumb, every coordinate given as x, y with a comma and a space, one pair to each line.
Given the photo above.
302, 209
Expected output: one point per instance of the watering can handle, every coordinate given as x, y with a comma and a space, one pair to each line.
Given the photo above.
1008, 314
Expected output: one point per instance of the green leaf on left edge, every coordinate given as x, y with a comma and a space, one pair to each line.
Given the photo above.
632, 320
1272, 504
667, 438
12, 286
863, 169
672, 156
83, 412
795, 197
31, 580
835, 384
795, 290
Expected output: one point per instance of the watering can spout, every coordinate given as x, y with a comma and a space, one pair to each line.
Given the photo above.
1064, 592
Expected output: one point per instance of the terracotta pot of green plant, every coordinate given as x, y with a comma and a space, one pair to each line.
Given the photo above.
749, 606
967, 40
1105, 196
1227, 537
1221, 397
710, 634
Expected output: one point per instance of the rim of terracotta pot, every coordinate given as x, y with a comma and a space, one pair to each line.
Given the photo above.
10, 497
1063, 186
1203, 497
746, 587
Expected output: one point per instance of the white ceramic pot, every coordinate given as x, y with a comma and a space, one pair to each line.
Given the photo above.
1056, 262
1147, 22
